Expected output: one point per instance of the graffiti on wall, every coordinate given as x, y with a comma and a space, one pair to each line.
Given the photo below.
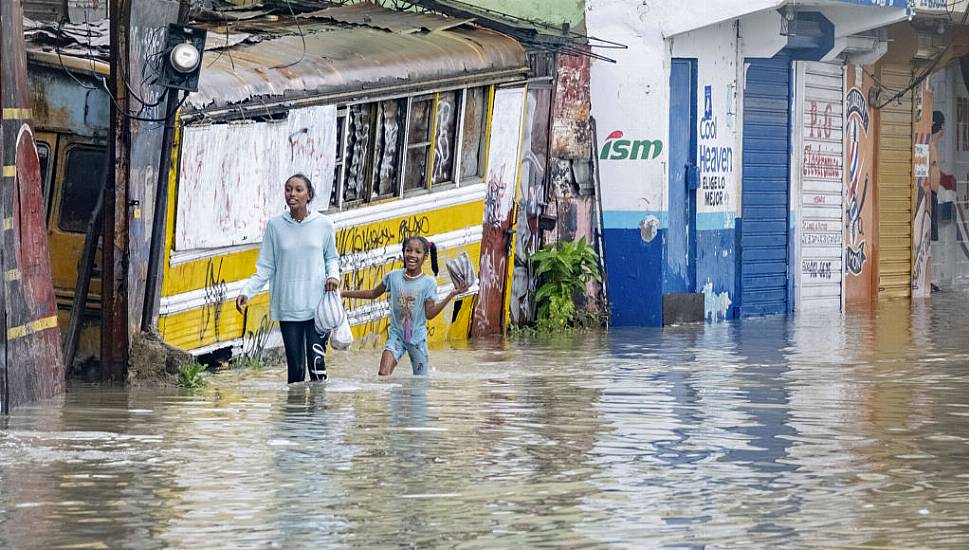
360, 271
715, 159
504, 150
215, 292
858, 119
528, 237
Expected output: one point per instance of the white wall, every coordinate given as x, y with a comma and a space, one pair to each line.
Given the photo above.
718, 134
631, 96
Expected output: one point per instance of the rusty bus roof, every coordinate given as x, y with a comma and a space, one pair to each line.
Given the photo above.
344, 52
348, 49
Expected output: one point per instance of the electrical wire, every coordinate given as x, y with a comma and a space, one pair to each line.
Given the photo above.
104, 84
928, 71
227, 50
302, 37
60, 60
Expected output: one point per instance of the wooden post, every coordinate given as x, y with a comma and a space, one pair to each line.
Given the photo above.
30, 355
114, 305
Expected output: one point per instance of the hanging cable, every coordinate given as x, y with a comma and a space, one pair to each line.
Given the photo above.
302, 37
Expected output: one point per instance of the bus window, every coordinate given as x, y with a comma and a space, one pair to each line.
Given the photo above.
83, 177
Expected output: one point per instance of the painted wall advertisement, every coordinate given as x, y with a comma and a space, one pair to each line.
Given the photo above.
715, 157
859, 203
629, 102
922, 163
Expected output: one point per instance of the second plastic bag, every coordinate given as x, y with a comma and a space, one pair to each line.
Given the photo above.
342, 337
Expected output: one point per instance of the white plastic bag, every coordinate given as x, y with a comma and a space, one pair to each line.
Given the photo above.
342, 337
329, 313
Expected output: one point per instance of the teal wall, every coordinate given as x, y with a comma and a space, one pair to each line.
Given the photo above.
554, 12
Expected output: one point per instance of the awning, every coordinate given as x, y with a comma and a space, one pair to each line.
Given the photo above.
359, 49
703, 13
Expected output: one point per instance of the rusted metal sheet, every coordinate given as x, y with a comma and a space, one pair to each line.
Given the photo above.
335, 59
149, 30
368, 15
89, 40
504, 152
571, 137
47, 10
262, 59
31, 360
61, 104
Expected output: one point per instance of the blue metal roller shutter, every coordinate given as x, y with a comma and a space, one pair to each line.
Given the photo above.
765, 201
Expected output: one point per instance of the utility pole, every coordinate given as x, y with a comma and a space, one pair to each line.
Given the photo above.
114, 296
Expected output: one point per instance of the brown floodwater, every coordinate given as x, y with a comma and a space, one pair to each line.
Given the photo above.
808, 431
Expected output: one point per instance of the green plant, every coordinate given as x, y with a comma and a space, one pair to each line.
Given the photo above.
564, 270
190, 375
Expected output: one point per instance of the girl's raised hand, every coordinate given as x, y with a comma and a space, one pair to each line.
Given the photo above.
242, 302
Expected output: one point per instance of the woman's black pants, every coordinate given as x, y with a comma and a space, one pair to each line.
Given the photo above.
305, 350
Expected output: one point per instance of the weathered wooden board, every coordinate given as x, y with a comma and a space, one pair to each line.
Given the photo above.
31, 357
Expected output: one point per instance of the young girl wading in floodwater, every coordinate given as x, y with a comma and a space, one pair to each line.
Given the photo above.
413, 302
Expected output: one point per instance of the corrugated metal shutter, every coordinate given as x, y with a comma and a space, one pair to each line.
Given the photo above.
895, 187
820, 225
766, 172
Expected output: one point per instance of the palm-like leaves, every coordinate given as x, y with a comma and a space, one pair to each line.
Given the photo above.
565, 269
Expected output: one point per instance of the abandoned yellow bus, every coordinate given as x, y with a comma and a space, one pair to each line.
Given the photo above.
409, 127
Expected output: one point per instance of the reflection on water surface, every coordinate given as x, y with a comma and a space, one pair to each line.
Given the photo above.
810, 431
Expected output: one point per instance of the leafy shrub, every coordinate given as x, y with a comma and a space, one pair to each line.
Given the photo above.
564, 269
190, 375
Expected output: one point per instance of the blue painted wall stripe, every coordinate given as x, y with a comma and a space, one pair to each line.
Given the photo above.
629, 219
715, 221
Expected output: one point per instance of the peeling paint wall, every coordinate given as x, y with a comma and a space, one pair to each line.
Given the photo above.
718, 163
504, 151
232, 174
631, 102
553, 12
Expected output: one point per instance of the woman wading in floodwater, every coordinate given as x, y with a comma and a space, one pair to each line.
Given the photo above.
299, 260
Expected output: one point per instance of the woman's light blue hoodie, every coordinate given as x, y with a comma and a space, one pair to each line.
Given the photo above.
296, 259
